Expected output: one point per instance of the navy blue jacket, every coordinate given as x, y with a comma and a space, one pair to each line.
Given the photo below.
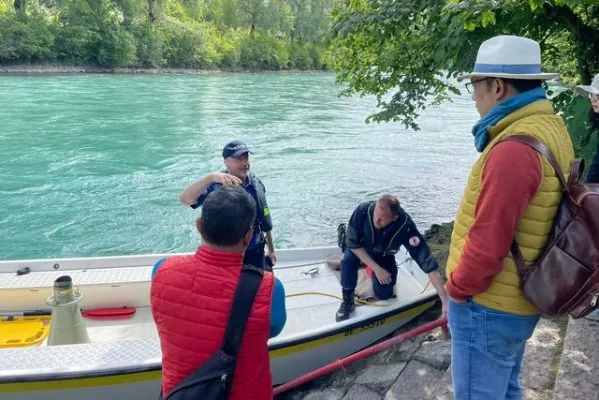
361, 233
256, 189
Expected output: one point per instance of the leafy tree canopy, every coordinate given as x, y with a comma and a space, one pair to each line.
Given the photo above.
407, 52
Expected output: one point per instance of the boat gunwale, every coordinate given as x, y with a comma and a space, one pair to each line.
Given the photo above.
153, 366
138, 260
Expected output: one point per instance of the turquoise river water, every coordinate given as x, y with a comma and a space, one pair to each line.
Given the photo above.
92, 165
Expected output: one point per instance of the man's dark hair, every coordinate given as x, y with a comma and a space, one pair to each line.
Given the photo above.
520, 85
391, 202
523, 85
227, 215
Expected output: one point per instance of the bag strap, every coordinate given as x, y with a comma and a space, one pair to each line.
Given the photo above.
520, 264
544, 150
541, 148
245, 293
248, 285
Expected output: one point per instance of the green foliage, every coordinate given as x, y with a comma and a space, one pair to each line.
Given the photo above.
228, 34
189, 46
306, 55
117, 48
408, 52
402, 52
30, 41
150, 45
575, 111
264, 53
229, 13
301, 57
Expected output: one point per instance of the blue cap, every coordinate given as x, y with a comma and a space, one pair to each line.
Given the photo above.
235, 149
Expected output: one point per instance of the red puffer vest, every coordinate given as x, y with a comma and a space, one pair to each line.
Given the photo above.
191, 298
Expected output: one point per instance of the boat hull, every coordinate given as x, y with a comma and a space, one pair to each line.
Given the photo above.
288, 361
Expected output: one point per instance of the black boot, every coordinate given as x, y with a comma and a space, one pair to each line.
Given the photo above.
347, 307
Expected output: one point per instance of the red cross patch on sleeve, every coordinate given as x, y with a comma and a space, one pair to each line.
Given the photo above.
414, 241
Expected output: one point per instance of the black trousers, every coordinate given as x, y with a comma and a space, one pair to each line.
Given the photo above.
255, 256
593, 175
351, 265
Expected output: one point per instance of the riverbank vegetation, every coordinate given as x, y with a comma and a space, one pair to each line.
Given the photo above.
406, 52
198, 34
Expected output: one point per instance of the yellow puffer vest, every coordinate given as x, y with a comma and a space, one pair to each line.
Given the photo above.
539, 120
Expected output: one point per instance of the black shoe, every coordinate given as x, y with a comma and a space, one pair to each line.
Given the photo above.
347, 307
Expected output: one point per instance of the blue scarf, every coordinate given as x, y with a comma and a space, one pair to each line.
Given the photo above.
480, 130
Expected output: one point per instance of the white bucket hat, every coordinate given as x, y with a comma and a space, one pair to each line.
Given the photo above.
513, 57
593, 88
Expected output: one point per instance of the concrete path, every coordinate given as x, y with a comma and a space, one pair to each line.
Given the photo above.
559, 364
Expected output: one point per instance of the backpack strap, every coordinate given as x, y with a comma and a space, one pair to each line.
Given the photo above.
520, 264
245, 293
541, 148
544, 150
248, 285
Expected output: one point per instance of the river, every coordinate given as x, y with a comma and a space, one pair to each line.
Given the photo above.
92, 165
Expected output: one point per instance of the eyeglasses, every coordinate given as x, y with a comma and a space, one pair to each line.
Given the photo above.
470, 86
593, 96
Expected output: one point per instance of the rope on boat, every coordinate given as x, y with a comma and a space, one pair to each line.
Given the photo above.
357, 300
426, 286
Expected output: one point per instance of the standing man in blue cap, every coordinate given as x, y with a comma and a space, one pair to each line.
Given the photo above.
237, 163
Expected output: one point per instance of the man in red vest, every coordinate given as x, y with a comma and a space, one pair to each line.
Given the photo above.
191, 297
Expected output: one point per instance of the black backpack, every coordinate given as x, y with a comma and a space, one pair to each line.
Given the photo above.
213, 379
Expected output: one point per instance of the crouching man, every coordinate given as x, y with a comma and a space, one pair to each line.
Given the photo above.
376, 231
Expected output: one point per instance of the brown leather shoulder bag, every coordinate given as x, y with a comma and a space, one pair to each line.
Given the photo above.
565, 277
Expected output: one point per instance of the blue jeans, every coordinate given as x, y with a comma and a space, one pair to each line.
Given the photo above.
351, 265
487, 347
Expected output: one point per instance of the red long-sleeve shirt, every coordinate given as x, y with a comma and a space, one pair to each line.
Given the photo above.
511, 177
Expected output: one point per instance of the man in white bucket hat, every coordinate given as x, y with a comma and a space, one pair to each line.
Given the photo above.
512, 194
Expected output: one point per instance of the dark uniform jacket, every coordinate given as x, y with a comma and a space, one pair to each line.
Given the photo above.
361, 233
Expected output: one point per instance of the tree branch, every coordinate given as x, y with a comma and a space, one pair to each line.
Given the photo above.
586, 37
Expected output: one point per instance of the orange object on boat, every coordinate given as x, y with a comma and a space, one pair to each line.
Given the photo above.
110, 313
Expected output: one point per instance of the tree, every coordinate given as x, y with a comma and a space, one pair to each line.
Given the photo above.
152, 13
406, 52
229, 13
20, 8
311, 22
156, 33
252, 12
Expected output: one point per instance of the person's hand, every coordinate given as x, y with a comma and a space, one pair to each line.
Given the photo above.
273, 257
382, 275
444, 306
225, 179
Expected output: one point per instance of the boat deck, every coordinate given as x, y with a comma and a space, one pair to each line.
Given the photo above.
81, 277
134, 342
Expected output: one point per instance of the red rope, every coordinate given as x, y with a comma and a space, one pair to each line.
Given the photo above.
338, 364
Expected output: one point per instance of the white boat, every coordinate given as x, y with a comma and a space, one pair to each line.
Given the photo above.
123, 359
